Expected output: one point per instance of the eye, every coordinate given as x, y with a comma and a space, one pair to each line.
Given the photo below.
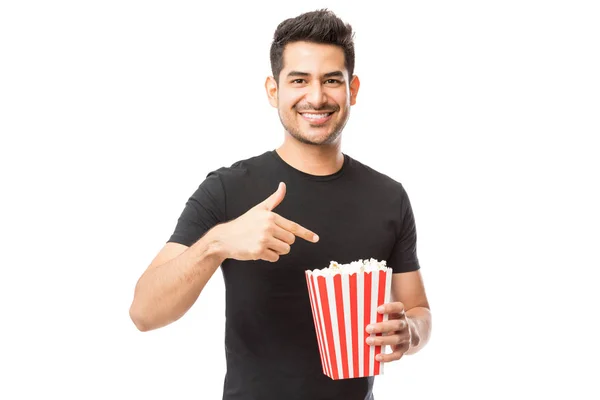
299, 80
333, 82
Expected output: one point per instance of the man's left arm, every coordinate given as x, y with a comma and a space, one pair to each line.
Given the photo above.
408, 289
409, 325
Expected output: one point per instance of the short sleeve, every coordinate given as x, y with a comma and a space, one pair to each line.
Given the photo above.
404, 255
203, 210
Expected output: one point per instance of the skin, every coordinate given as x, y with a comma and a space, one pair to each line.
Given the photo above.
313, 79
409, 325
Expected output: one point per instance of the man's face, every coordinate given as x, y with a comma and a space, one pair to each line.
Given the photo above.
314, 93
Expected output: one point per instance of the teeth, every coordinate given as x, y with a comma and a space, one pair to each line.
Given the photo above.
315, 116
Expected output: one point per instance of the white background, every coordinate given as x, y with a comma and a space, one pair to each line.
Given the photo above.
113, 112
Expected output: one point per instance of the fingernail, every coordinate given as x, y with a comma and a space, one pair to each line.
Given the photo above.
369, 328
380, 309
315, 238
378, 357
369, 341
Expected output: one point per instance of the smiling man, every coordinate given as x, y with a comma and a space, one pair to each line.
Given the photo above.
246, 218
311, 92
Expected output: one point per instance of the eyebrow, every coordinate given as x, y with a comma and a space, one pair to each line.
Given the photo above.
334, 74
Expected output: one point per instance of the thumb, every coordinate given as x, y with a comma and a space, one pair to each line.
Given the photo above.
275, 199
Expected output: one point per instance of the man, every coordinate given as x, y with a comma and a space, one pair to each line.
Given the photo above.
267, 219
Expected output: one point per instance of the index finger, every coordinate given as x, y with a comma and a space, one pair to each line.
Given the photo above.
296, 229
391, 308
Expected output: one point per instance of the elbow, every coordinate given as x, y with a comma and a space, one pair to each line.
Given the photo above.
138, 318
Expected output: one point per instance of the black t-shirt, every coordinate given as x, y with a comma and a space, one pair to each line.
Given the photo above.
270, 340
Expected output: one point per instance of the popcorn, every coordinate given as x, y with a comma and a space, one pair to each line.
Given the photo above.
344, 300
353, 267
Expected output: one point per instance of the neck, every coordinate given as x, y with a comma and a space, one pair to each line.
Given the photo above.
311, 159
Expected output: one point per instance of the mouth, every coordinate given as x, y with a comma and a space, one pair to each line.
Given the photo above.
316, 118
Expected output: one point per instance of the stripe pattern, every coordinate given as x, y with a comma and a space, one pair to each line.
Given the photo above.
342, 306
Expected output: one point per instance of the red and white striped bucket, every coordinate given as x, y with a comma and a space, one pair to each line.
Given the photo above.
343, 305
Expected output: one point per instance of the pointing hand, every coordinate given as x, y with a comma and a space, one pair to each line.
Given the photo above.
261, 233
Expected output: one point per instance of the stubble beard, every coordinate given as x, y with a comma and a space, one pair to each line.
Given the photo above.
297, 134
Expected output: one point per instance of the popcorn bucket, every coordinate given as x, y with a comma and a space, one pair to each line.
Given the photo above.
343, 302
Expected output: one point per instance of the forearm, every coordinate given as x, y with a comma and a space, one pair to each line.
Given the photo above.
419, 323
165, 293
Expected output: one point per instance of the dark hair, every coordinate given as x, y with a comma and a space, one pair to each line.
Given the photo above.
321, 26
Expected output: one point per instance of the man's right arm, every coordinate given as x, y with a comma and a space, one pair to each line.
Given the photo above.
177, 275
174, 280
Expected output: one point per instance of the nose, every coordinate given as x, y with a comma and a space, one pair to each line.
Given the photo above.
316, 96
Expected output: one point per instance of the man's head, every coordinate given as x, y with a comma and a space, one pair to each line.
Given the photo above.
313, 87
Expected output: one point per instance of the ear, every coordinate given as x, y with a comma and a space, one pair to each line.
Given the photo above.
271, 88
354, 86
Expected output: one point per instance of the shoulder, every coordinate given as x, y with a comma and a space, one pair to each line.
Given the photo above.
241, 169
237, 181
377, 181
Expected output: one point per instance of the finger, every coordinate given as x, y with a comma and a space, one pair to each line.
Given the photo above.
389, 340
391, 308
390, 326
283, 235
395, 356
275, 199
296, 229
278, 246
269, 255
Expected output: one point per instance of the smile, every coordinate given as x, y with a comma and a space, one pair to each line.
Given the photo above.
316, 118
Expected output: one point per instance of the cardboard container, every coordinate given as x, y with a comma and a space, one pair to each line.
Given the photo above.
343, 304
